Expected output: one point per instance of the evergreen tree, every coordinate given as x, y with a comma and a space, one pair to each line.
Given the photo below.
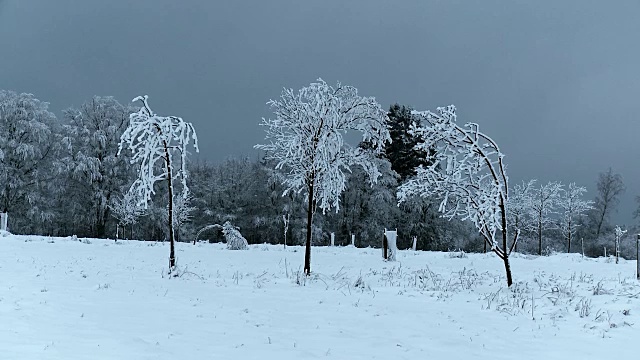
401, 153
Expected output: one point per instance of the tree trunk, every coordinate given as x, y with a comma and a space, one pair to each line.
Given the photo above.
307, 250
172, 255
515, 246
505, 240
507, 268
601, 220
540, 237
569, 238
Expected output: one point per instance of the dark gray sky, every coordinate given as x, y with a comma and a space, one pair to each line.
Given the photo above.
555, 83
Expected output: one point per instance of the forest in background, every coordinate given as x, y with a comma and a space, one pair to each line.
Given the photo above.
62, 177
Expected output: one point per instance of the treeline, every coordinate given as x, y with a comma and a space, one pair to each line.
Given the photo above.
63, 176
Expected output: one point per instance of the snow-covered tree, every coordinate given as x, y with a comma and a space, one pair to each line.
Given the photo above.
610, 187
544, 205
182, 212
29, 162
306, 140
153, 139
466, 170
126, 209
520, 204
96, 174
285, 223
365, 209
619, 233
572, 207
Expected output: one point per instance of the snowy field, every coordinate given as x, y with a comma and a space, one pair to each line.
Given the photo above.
65, 298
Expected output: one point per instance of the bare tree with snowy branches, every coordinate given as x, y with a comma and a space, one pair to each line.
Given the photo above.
520, 202
545, 203
153, 139
306, 142
572, 207
127, 210
610, 187
467, 172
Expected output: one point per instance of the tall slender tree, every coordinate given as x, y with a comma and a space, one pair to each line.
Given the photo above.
572, 208
610, 186
520, 205
544, 205
153, 139
306, 141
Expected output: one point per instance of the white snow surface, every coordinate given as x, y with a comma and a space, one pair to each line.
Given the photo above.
70, 298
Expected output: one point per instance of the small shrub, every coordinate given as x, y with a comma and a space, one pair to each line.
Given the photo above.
235, 240
583, 307
460, 254
599, 289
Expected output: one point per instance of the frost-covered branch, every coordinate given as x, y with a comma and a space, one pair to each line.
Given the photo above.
306, 138
544, 205
150, 138
306, 141
572, 207
126, 209
520, 204
466, 172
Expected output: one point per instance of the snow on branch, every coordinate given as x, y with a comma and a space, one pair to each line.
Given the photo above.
152, 139
306, 138
466, 172
572, 207
520, 204
235, 240
126, 209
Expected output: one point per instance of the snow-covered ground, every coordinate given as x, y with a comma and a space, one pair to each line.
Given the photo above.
66, 298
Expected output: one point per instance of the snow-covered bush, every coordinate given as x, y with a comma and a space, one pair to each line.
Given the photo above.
235, 240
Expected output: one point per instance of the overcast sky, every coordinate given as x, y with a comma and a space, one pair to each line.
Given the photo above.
555, 83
